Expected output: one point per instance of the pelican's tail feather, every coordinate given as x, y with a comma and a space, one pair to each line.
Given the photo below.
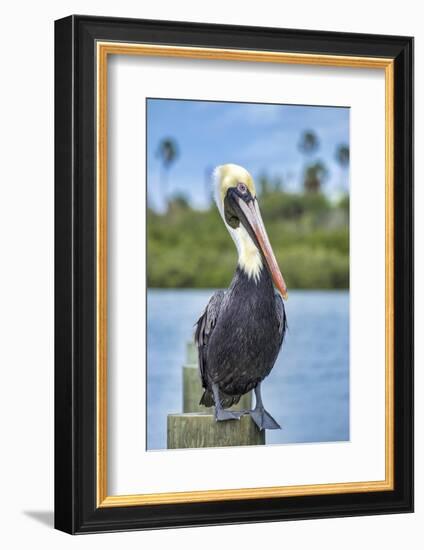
207, 399
226, 400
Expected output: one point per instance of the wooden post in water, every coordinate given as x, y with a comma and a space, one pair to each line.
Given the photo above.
191, 353
197, 426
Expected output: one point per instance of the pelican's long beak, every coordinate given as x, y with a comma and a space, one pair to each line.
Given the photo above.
253, 217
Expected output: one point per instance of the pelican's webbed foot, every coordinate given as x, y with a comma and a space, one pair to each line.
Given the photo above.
260, 416
264, 420
222, 414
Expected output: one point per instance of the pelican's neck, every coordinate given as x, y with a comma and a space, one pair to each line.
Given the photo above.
249, 257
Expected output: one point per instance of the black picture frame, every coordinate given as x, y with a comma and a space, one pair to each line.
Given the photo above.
76, 510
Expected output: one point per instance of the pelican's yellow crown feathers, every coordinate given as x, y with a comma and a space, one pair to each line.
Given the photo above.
229, 175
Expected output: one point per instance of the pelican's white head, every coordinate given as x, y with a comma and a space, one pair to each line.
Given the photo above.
235, 197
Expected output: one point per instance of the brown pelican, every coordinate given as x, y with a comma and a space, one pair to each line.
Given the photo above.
242, 329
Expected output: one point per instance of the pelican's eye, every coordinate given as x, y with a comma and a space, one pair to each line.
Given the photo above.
242, 188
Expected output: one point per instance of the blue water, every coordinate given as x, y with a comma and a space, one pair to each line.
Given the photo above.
307, 391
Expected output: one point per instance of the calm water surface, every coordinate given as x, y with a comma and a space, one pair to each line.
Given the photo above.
307, 391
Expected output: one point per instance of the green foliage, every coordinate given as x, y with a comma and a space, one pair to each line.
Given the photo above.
267, 186
188, 248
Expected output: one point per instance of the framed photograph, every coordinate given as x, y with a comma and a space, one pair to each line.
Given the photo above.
234, 274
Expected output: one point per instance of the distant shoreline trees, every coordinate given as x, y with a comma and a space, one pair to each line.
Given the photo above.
189, 248
309, 232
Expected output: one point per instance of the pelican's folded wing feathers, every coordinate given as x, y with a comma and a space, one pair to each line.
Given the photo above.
204, 328
281, 315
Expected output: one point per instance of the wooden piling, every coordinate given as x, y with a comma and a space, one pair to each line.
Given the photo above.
191, 353
199, 430
192, 389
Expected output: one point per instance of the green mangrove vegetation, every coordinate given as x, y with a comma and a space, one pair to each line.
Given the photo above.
188, 248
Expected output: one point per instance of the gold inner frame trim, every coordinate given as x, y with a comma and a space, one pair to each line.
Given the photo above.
103, 50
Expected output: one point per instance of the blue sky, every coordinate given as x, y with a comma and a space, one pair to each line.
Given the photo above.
263, 138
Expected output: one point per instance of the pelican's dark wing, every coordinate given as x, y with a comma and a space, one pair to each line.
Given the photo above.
281, 315
204, 329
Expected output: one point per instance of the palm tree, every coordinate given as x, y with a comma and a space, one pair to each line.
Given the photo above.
314, 176
168, 154
342, 158
342, 155
313, 173
309, 142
